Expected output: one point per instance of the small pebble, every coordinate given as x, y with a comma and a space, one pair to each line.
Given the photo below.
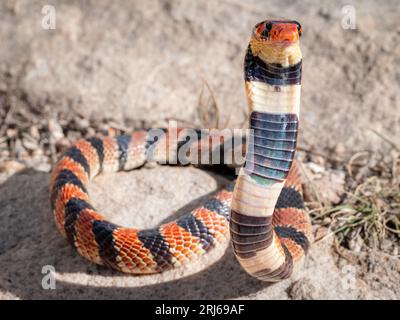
11, 166
56, 132
29, 143
303, 290
63, 144
315, 168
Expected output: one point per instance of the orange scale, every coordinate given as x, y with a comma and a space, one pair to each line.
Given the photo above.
64, 195
177, 231
277, 244
129, 251
125, 247
59, 218
295, 250
147, 260
67, 163
294, 177
122, 241
90, 154
180, 257
168, 232
185, 236
141, 257
136, 246
110, 147
129, 265
130, 239
179, 239
140, 265
69, 191
186, 241
210, 218
303, 228
285, 216
134, 250
178, 234
128, 261
138, 141
134, 259
84, 236
149, 263
118, 241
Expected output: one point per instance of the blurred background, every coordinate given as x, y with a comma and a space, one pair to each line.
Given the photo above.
72, 69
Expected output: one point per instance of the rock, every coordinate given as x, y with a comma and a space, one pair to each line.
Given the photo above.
326, 221
303, 289
329, 184
56, 132
356, 243
315, 168
11, 133
81, 123
63, 144
20, 151
29, 143
320, 232
10, 167
34, 132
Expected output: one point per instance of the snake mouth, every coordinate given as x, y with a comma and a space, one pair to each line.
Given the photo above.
279, 32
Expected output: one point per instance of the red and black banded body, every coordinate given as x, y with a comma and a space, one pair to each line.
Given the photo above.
269, 228
126, 249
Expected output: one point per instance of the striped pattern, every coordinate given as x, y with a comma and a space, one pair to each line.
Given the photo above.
264, 209
271, 73
124, 249
270, 230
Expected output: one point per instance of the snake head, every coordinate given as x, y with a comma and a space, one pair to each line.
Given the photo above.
277, 41
278, 31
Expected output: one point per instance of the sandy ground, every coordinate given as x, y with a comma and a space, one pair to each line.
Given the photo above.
141, 63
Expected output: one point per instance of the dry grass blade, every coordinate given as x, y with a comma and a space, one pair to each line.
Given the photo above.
370, 212
208, 109
383, 137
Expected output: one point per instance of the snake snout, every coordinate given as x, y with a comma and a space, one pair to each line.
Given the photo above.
277, 31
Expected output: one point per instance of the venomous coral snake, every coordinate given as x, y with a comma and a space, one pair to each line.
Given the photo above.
263, 214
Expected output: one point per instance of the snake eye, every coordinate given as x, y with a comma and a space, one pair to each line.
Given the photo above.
267, 29
299, 29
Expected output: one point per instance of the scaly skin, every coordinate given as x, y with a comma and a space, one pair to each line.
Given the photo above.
270, 236
269, 239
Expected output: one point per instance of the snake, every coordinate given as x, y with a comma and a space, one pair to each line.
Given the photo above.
262, 212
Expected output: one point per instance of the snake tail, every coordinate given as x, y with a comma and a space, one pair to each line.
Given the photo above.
270, 230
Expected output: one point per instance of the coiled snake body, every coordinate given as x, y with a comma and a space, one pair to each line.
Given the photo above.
263, 214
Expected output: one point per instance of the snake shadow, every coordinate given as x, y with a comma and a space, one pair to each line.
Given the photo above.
30, 241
